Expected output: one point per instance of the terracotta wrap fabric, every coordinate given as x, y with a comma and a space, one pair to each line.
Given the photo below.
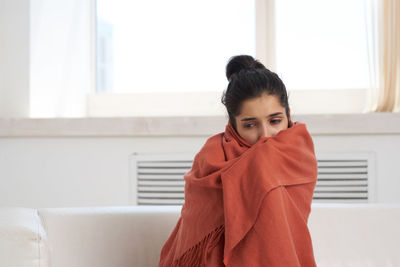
255, 200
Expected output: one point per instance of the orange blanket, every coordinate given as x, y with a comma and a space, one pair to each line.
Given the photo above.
257, 197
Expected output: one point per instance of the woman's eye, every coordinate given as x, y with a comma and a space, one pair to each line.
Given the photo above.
276, 121
248, 125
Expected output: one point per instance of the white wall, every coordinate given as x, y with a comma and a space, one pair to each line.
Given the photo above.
14, 58
56, 172
84, 171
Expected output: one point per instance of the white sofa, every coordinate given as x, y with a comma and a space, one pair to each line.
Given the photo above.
352, 235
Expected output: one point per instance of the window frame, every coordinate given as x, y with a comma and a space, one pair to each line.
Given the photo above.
171, 104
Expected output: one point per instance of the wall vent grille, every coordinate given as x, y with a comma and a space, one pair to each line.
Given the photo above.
344, 178
158, 179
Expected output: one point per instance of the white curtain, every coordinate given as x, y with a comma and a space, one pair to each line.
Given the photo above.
383, 27
60, 57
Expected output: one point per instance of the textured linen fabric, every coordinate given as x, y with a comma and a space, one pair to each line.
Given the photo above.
252, 199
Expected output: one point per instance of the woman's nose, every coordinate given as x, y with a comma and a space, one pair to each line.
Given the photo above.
267, 131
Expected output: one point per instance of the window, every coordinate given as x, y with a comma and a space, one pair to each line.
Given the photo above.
164, 58
321, 44
170, 52
170, 46
147, 64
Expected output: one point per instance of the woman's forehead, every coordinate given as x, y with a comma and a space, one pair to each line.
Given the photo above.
263, 106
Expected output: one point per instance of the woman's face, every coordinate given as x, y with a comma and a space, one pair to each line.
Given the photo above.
261, 116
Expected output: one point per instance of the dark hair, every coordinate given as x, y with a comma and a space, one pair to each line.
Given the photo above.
248, 78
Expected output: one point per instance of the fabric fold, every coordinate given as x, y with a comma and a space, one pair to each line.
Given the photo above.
258, 196
268, 164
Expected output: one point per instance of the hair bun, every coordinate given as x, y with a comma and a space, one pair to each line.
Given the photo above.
238, 63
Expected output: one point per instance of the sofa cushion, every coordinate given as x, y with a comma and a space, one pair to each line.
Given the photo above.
108, 236
22, 238
355, 235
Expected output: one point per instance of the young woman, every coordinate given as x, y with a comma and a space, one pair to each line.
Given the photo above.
248, 194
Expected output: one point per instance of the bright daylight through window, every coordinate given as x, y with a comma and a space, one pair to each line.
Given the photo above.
322, 44
170, 46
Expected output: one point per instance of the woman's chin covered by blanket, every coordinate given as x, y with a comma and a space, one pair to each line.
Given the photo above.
247, 204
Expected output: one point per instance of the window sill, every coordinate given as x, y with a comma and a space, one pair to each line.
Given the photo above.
317, 124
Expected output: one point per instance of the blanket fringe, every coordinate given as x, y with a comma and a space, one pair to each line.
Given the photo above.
196, 256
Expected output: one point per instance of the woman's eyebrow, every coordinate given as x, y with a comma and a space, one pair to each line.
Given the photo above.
270, 115
274, 114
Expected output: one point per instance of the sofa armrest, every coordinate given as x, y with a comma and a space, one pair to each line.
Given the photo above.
22, 238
